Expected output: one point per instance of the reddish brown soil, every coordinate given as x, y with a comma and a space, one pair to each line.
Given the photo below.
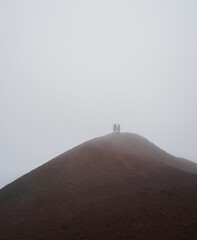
113, 187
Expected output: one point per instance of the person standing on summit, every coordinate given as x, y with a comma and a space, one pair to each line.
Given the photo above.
118, 128
115, 128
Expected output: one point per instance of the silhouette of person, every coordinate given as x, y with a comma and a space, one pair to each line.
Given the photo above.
118, 128
115, 128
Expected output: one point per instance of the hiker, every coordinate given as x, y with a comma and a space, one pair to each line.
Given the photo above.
118, 128
115, 128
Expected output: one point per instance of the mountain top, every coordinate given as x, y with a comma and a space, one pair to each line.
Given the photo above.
120, 186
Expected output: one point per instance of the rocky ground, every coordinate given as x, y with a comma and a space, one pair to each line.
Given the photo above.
113, 187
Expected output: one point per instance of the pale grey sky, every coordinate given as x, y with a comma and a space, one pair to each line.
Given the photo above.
70, 69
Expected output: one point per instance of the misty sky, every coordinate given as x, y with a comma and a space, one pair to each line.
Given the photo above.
70, 69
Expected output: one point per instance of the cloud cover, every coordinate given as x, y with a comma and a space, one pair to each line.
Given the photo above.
70, 69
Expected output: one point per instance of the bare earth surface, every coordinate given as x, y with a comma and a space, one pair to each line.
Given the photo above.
113, 187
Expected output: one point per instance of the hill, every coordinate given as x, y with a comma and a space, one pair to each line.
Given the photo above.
119, 186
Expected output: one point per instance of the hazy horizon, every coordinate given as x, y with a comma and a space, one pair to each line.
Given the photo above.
70, 69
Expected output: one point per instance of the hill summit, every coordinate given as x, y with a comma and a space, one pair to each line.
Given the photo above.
120, 186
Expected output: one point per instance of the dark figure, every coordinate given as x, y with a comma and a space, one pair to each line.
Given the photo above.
118, 128
115, 128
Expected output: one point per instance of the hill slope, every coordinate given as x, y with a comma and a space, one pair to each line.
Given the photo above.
113, 187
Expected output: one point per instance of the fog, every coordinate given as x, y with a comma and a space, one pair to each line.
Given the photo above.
70, 69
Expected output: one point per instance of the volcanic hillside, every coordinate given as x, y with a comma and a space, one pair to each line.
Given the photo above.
119, 186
